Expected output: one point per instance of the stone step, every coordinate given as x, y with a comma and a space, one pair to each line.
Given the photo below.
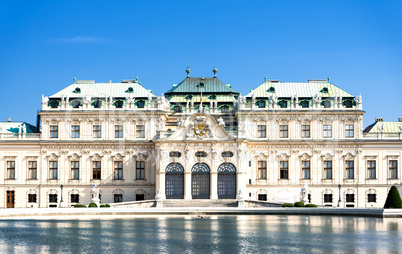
200, 203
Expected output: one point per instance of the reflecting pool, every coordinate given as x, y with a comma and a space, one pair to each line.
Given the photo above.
210, 234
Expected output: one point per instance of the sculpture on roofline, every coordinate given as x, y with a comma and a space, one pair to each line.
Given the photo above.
221, 121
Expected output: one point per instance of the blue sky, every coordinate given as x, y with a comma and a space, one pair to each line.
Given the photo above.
45, 44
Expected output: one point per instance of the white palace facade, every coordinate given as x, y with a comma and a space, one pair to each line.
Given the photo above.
199, 140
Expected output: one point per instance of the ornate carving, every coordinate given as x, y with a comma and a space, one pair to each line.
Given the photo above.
199, 128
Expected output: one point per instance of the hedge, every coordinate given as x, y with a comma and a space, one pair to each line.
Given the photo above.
299, 204
393, 199
288, 205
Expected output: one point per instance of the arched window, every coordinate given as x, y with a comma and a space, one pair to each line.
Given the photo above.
118, 104
324, 90
304, 104
54, 103
130, 90
261, 104
76, 103
200, 154
283, 104
225, 109
77, 90
97, 104
227, 154
327, 104
348, 103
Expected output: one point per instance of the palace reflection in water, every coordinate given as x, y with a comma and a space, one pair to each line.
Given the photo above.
212, 234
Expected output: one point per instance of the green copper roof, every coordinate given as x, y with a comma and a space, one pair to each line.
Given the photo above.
14, 127
103, 90
387, 127
192, 85
205, 98
289, 89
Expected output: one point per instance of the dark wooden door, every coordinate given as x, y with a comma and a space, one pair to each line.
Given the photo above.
10, 199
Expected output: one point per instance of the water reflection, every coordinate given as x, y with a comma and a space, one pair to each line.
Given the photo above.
210, 234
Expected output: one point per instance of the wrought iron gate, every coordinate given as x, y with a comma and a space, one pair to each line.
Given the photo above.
200, 181
174, 181
227, 181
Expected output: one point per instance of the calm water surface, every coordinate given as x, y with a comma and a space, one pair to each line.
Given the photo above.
212, 234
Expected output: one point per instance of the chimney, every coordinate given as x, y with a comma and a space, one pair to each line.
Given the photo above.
9, 119
379, 120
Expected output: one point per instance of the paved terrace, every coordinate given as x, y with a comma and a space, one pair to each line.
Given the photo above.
116, 212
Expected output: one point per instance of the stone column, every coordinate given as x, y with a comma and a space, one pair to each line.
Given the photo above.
187, 185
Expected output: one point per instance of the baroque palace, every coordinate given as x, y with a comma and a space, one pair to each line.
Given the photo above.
199, 140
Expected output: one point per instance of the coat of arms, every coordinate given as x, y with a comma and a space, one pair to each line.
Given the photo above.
199, 128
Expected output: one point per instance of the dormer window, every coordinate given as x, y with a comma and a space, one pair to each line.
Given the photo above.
141, 104
54, 104
177, 109
225, 109
76, 104
97, 104
130, 90
212, 97
118, 104
324, 90
283, 104
201, 85
261, 104
304, 104
271, 89
348, 104
77, 90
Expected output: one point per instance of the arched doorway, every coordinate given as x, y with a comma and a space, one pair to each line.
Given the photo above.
174, 181
226, 181
200, 187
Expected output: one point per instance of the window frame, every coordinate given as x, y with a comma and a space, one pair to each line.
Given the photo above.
371, 197
140, 170
75, 170
97, 133
393, 169
349, 131
327, 130
54, 131
32, 198
11, 170
328, 170
75, 131
75, 198
53, 198
118, 170
306, 167
140, 131
118, 197
283, 131
97, 170
350, 169
32, 170
371, 169
284, 170
261, 131
305, 131
53, 170
328, 198
350, 198
262, 169
118, 131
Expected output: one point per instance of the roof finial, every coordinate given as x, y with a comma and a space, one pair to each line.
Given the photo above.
265, 79
188, 71
215, 71
328, 79
75, 80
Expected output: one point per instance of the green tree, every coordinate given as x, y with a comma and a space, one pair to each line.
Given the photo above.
393, 199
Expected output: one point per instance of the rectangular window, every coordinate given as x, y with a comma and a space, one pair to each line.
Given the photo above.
284, 170
140, 131
328, 169
262, 131
262, 169
349, 131
327, 131
31, 198
350, 198
327, 198
306, 169
118, 198
54, 131
262, 197
140, 170
52, 198
118, 131
10, 169
393, 169
75, 198
75, 131
305, 131
75, 170
372, 198
97, 131
118, 170
371, 169
32, 169
96, 170
283, 131
53, 169
350, 169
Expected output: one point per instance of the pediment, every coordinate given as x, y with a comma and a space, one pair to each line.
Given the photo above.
200, 127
